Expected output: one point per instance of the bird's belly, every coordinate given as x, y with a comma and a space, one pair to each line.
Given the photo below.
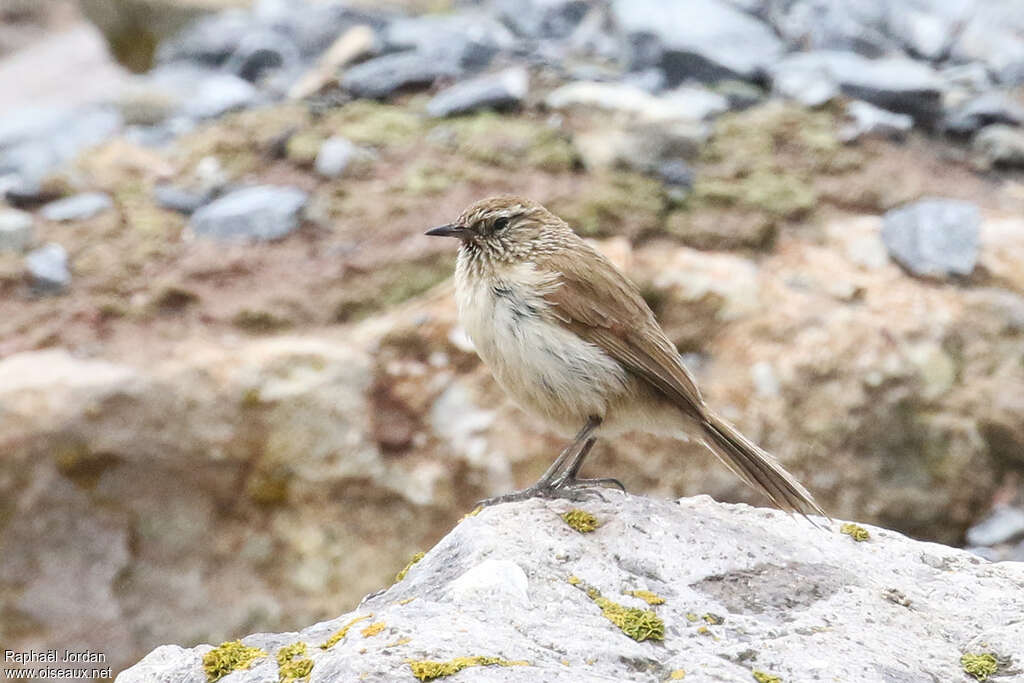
544, 367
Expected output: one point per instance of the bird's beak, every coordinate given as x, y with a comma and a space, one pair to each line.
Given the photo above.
450, 230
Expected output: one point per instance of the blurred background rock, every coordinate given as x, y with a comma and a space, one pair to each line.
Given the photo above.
233, 392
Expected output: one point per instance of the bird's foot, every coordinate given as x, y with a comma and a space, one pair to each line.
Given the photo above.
566, 488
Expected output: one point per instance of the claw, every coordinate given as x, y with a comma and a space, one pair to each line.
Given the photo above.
568, 488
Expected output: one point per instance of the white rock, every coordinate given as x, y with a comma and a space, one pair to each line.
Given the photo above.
500, 580
796, 602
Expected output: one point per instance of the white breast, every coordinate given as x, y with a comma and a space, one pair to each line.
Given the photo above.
544, 367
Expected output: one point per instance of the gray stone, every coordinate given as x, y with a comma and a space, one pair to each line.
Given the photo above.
687, 103
218, 94
36, 141
676, 173
469, 39
771, 594
1000, 145
261, 52
15, 230
542, 18
897, 84
806, 81
48, 268
211, 40
707, 40
984, 110
382, 76
857, 27
78, 207
314, 26
334, 157
492, 91
867, 120
1005, 524
264, 212
992, 35
177, 199
934, 237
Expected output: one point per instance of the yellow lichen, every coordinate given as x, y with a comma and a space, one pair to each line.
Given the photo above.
400, 641
405, 570
638, 624
342, 632
573, 580
427, 670
648, 597
691, 617
762, 677
981, 666
472, 513
406, 601
713, 619
855, 531
581, 520
373, 629
292, 663
228, 657
704, 631
677, 675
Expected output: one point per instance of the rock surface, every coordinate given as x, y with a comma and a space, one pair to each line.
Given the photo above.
253, 213
934, 237
710, 592
48, 268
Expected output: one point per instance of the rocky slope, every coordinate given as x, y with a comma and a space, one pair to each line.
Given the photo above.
690, 590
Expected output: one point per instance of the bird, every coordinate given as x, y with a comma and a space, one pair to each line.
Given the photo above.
571, 340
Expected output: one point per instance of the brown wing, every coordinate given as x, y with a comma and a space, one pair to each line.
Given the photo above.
606, 309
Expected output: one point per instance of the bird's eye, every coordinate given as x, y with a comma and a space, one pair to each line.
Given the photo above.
500, 224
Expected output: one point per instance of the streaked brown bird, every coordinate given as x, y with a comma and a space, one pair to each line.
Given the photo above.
572, 341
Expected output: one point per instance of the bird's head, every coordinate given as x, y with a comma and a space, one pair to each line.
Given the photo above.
505, 227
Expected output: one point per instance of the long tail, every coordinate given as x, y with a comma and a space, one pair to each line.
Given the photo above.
756, 467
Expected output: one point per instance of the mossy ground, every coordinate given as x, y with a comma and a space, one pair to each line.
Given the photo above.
141, 285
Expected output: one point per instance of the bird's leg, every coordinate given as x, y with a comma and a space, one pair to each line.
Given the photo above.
568, 479
557, 484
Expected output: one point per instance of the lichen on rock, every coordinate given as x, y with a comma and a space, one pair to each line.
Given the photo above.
581, 520
228, 657
428, 670
292, 663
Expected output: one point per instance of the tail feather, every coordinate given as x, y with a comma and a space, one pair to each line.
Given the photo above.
757, 468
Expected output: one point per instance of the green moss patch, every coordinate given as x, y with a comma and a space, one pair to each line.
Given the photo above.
758, 169
292, 663
228, 657
581, 520
512, 142
405, 570
428, 670
855, 531
981, 666
615, 203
